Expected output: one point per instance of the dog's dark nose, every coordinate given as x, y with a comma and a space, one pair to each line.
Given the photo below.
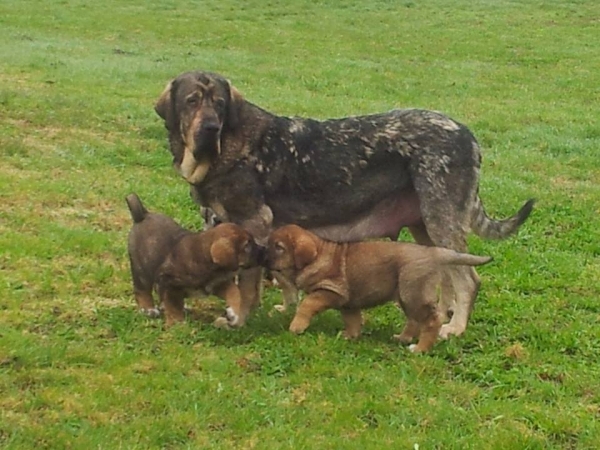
261, 255
210, 126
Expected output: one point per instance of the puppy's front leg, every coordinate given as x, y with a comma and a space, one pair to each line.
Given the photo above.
312, 305
230, 292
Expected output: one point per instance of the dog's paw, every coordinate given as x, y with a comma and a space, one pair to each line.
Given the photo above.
221, 322
448, 330
153, 313
280, 308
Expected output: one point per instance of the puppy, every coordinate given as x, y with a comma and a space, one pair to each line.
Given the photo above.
354, 276
177, 262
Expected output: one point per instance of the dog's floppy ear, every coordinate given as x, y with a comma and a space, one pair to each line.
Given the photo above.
235, 103
305, 251
223, 254
163, 104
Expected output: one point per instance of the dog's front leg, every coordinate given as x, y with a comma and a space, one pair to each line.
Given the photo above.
250, 285
313, 304
289, 291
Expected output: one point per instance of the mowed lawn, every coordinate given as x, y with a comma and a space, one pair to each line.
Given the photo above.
81, 369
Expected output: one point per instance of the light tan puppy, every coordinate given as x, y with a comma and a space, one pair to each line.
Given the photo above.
355, 276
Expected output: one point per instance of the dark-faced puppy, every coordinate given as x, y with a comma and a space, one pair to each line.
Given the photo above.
177, 262
351, 277
345, 179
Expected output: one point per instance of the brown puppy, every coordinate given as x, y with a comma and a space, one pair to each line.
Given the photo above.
354, 276
177, 262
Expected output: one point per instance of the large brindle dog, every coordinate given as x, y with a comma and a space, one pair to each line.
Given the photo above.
344, 179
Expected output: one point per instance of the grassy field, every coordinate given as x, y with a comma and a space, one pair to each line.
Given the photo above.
81, 369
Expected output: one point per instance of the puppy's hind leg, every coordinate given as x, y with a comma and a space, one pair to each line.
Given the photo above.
418, 300
352, 323
143, 297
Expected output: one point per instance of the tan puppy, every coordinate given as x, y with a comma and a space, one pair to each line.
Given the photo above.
354, 276
177, 262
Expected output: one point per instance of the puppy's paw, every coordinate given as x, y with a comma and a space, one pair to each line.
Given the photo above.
402, 338
232, 318
280, 308
351, 335
413, 348
153, 313
298, 326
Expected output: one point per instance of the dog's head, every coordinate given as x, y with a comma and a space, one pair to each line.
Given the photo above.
197, 108
291, 249
233, 248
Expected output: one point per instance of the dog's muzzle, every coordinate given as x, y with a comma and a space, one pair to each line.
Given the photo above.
261, 255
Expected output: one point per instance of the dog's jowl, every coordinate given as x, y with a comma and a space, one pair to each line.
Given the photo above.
344, 179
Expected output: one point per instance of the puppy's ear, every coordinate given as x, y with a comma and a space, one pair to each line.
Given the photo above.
305, 251
223, 254
163, 104
236, 101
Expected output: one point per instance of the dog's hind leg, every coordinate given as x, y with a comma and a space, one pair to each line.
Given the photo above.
446, 213
447, 301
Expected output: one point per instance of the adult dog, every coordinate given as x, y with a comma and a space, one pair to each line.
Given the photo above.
344, 179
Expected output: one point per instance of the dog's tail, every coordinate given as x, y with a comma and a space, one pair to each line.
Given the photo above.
485, 227
450, 257
136, 207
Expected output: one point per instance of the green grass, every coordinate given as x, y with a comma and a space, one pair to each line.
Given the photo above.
79, 368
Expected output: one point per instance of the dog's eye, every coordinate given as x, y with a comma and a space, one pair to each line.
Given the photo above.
248, 247
219, 103
193, 100
279, 249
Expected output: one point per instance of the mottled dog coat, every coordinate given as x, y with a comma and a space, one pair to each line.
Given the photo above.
344, 179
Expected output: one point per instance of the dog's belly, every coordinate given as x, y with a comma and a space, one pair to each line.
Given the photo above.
386, 219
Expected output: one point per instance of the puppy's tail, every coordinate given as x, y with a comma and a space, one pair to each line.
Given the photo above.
136, 207
450, 257
487, 228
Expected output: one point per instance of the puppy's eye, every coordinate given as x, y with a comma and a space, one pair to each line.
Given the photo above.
279, 249
247, 247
